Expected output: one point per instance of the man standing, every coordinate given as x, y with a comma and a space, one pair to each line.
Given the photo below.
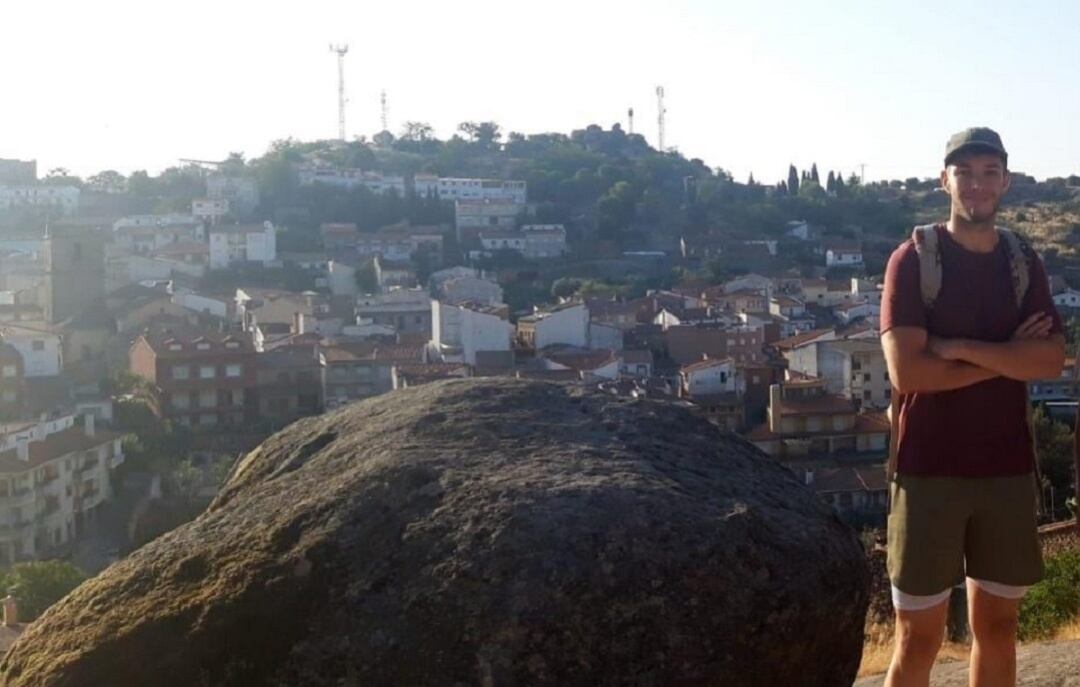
963, 331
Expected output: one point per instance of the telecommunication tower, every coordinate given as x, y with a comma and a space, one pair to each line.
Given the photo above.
660, 112
630, 115
341, 51
385, 111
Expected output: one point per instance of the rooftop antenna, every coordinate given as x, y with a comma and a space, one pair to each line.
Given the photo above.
341, 51
385, 111
660, 112
862, 173
630, 114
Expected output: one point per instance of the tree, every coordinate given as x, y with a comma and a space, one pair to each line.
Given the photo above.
750, 181
418, 132
485, 134
108, 181
830, 183
793, 181
39, 584
1054, 443
814, 174
365, 278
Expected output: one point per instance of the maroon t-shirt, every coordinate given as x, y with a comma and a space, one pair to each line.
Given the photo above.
979, 430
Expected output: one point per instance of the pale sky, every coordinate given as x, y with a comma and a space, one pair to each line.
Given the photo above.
750, 86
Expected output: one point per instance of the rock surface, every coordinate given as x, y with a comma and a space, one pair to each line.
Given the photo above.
478, 532
1052, 664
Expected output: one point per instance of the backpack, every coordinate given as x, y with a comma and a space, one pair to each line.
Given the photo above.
928, 248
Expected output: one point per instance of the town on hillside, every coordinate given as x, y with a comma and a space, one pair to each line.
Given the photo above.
152, 328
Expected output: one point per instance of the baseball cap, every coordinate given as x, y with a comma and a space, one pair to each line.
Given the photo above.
978, 138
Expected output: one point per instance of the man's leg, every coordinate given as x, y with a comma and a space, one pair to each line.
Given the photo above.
994, 620
917, 640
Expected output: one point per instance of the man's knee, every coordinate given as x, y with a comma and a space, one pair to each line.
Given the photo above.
920, 638
994, 628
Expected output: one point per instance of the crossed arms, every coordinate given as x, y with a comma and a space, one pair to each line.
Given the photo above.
918, 362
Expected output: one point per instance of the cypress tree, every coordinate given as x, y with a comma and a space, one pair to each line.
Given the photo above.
792, 181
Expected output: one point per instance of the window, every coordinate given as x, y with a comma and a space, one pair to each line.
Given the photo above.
202, 346
238, 397
175, 347
234, 370
866, 395
38, 345
9, 396
886, 375
8, 371
229, 344
181, 372
207, 372
181, 401
207, 420
756, 379
208, 398
888, 393
866, 377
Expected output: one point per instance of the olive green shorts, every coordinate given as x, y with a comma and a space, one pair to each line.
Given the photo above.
942, 529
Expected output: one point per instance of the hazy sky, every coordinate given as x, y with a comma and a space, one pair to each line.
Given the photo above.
751, 86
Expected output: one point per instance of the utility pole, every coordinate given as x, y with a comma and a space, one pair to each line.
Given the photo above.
630, 115
862, 173
385, 111
660, 112
341, 51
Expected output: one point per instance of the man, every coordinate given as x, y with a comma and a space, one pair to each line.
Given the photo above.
964, 492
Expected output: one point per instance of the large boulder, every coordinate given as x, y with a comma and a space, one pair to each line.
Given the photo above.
478, 532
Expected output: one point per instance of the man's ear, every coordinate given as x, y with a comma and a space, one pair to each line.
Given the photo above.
1007, 181
945, 181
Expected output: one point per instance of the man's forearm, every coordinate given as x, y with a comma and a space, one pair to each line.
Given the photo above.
927, 373
1024, 360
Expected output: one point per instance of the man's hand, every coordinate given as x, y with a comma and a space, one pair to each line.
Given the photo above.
1035, 327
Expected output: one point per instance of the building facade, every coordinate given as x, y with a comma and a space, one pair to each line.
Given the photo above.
55, 475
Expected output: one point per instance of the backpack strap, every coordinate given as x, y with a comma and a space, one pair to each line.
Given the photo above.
928, 248
1019, 263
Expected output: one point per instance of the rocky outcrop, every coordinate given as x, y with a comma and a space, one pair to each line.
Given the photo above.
478, 532
1049, 664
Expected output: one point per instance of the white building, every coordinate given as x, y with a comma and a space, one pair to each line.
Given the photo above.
241, 192
64, 199
54, 477
710, 376
853, 368
473, 216
750, 282
567, 324
476, 189
544, 240
843, 257
242, 243
207, 305
341, 278
210, 209
350, 178
470, 289
144, 234
1069, 298
459, 332
849, 312
40, 348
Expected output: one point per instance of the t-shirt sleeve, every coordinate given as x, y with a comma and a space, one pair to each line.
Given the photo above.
901, 300
1038, 298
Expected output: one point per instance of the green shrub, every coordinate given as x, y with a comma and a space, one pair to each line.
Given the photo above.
1055, 601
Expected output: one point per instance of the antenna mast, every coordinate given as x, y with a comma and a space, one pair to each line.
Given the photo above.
341, 51
385, 111
630, 114
660, 112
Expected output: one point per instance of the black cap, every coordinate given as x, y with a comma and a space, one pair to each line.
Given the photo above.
975, 139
